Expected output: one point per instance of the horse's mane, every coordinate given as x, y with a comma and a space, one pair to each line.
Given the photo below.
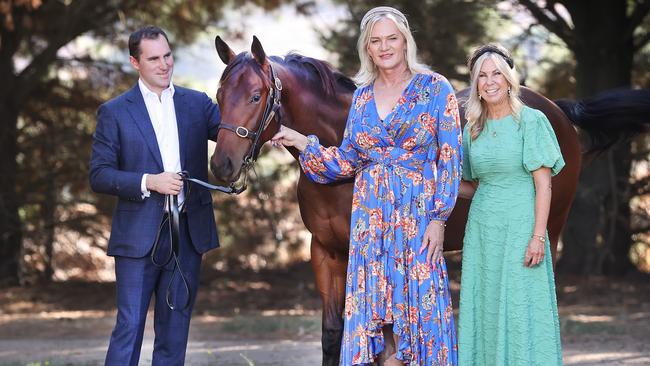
317, 70
322, 75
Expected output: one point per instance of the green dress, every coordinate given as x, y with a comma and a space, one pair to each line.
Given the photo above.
508, 312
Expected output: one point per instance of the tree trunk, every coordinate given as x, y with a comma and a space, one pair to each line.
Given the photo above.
620, 234
48, 206
10, 225
597, 235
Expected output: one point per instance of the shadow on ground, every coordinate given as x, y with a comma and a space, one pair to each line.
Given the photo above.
272, 318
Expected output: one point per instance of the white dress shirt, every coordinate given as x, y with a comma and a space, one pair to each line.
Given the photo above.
163, 118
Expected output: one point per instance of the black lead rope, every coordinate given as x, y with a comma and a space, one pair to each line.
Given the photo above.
229, 190
171, 219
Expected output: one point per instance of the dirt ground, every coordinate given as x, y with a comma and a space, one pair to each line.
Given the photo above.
272, 318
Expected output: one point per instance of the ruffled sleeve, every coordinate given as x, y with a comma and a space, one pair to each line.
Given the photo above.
541, 148
467, 166
329, 164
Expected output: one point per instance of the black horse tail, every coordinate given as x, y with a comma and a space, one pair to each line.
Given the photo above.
610, 116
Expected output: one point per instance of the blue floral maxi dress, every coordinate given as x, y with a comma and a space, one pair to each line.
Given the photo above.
407, 170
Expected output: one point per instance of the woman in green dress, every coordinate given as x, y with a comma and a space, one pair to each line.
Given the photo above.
508, 308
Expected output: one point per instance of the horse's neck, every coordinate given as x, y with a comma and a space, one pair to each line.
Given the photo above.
312, 114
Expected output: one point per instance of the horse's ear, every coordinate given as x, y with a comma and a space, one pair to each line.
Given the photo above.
225, 53
258, 51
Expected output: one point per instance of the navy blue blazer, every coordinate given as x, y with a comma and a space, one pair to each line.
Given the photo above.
125, 147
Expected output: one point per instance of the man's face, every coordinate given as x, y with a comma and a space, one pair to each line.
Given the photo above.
155, 64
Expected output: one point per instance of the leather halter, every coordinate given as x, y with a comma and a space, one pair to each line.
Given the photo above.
271, 110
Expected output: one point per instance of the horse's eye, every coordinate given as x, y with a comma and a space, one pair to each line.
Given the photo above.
256, 98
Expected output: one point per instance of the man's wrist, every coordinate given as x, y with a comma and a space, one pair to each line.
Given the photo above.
143, 186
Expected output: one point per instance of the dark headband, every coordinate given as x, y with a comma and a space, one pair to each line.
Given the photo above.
492, 49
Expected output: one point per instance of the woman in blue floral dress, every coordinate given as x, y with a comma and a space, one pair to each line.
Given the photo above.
402, 145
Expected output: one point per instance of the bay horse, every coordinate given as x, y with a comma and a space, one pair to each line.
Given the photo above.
258, 93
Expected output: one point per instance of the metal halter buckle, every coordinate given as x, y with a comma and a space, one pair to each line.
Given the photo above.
242, 134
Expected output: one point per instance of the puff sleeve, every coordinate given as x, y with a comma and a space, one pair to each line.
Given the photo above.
541, 148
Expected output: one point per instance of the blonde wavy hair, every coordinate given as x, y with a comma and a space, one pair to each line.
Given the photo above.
368, 70
475, 107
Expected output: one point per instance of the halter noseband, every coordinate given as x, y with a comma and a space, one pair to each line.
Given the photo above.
271, 110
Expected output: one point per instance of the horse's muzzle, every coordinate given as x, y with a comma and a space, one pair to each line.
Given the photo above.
224, 170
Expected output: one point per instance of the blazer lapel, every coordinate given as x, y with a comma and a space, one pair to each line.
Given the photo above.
181, 108
138, 111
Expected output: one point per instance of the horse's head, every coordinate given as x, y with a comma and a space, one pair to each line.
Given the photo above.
249, 99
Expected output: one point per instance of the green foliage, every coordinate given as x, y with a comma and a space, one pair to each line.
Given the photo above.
54, 149
607, 40
262, 227
445, 32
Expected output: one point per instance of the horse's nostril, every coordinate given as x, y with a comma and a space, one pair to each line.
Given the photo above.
222, 170
213, 168
227, 171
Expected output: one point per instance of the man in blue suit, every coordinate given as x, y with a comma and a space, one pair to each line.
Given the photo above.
143, 138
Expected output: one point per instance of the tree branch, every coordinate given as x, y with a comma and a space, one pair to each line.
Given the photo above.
641, 9
557, 25
9, 42
80, 17
641, 230
550, 6
640, 41
640, 187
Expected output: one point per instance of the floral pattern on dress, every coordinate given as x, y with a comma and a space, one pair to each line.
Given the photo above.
407, 170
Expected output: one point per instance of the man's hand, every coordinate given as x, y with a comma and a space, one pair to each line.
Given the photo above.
165, 183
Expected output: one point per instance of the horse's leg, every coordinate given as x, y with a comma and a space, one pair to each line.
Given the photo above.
330, 269
561, 201
387, 356
555, 225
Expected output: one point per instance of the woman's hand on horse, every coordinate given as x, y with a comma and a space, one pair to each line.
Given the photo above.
289, 137
534, 252
434, 236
